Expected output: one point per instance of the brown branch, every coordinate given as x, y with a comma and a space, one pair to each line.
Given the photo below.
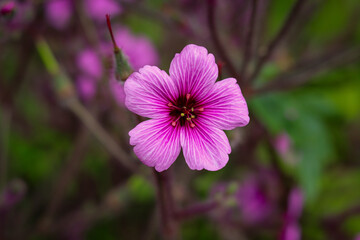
303, 72
278, 38
249, 40
211, 4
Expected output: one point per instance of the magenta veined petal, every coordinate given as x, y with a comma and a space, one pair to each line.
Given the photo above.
225, 106
157, 143
194, 70
205, 147
149, 91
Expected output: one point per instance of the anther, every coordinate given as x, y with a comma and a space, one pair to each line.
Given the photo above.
192, 109
191, 123
192, 116
182, 114
175, 121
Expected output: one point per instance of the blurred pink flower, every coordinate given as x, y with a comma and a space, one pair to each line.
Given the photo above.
253, 202
20, 14
58, 12
295, 203
97, 9
7, 8
357, 237
11, 195
291, 231
188, 110
86, 87
139, 50
89, 63
282, 143
117, 89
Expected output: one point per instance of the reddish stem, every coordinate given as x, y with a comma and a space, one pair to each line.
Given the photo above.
116, 48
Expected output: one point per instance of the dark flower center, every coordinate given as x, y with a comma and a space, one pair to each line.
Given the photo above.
184, 110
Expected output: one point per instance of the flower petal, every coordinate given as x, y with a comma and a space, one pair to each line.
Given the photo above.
149, 91
204, 147
194, 70
157, 143
225, 106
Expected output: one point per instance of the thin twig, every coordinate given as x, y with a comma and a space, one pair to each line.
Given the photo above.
278, 38
66, 176
100, 133
249, 40
211, 4
5, 122
303, 72
66, 94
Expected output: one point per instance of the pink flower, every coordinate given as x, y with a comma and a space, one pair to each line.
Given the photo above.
282, 143
357, 237
139, 50
292, 231
296, 202
7, 8
20, 14
86, 87
254, 204
89, 63
188, 110
117, 89
58, 12
97, 9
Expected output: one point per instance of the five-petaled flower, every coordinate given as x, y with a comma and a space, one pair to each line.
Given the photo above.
188, 110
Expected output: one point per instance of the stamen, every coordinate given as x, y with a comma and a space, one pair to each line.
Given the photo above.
192, 109
173, 106
174, 122
192, 116
182, 114
187, 98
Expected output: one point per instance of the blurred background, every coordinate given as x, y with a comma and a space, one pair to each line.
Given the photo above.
67, 170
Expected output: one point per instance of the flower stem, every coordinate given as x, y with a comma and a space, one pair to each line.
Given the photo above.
196, 209
123, 68
166, 205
